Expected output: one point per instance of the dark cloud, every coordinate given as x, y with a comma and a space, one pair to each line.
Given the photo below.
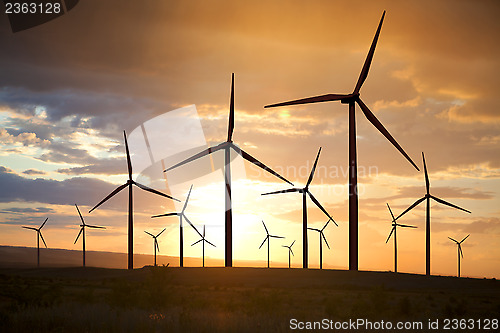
32, 172
17, 210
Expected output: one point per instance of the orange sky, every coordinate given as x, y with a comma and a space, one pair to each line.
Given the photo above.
69, 88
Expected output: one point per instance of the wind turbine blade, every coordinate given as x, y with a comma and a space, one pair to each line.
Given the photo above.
460, 250
209, 242
390, 210
267, 232
369, 57
203, 231
149, 189
161, 232
390, 234
150, 234
81, 217
326, 224
453, 240
192, 225
157, 246
129, 163
276, 236
168, 214
326, 242
411, 207
316, 99
187, 199
284, 191
31, 228
465, 238
375, 122
197, 156
314, 229
253, 160
43, 223
321, 207
197, 242
448, 204
311, 175
291, 251
81, 230
292, 243
118, 189
406, 226
43, 240
230, 127
427, 183
263, 242
95, 226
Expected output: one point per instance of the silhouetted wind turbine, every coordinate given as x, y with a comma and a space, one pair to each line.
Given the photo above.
38, 236
82, 232
268, 236
304, 191
394, 229
203, 240
289, 247
181, 214
427, 197
321, 238
226, 147
155, 245
460, 253
129, 184
351, 99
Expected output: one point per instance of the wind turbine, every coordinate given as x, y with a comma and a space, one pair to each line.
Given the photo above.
268, 236
82, 232
304, 191
226, 147
460, 253
129, 184
427, 197
203, 240
321, 238
394, 229
181, 214
155, 245
351, 99
289, 247
38, 236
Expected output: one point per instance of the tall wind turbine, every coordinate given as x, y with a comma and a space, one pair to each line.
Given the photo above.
129, 184
38, 236
304, 191
460, 253
226, 147
182, 215
351, 99
155, 243
427, 197
290, 252
82, 232
394, 229
321, 238
203, 241
268, 237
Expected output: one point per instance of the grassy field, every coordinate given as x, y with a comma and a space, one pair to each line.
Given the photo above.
170, 299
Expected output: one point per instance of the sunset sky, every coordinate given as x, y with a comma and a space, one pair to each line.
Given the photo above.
70, 87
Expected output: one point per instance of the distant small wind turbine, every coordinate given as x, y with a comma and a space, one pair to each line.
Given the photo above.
203, 241
38, 236
155, 238
226, 147
427, 197
321, 238
460, 253
129, 184
289, 247
352, 99
304, 191
394, 229
268, 237
182, 215
82, 232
